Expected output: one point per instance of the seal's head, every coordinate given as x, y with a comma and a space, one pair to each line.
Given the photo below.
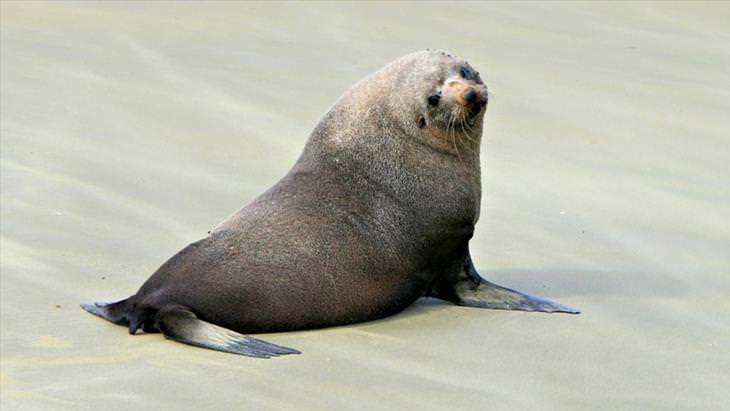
451, 102
431, 97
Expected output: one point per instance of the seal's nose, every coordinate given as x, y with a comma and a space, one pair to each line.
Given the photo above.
472, 100
468, 96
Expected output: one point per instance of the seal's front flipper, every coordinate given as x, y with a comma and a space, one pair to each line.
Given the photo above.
467, 288
489, 295
180, 324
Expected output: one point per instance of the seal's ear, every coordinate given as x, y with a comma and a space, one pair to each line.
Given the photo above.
421, 122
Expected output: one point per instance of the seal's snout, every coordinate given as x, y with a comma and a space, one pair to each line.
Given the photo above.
472, 100
470, 95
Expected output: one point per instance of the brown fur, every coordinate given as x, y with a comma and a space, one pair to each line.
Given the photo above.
376, 213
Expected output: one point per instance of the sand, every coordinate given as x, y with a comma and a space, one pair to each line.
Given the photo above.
129, 130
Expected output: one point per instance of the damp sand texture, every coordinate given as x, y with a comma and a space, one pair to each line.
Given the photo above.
130, 129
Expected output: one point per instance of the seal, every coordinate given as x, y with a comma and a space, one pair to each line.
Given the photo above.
377, 212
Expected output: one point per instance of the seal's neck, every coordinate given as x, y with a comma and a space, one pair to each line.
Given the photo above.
432, 184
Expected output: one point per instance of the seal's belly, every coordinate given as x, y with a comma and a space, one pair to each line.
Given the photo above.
311, 303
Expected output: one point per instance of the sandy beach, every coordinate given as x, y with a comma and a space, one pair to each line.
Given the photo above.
128, 130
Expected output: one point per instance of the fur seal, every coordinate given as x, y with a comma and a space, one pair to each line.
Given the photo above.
377, 212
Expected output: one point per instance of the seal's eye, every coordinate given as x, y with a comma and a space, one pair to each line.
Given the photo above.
465, 73
434, 100
421, 122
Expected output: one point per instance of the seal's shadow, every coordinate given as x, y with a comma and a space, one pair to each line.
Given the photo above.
568, 286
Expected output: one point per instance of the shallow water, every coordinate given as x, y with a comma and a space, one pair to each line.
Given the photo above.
129, 130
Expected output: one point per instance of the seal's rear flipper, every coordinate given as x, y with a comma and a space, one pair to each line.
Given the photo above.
115, 312
490, 295
180, 324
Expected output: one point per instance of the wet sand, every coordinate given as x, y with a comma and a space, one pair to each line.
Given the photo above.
129, 130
